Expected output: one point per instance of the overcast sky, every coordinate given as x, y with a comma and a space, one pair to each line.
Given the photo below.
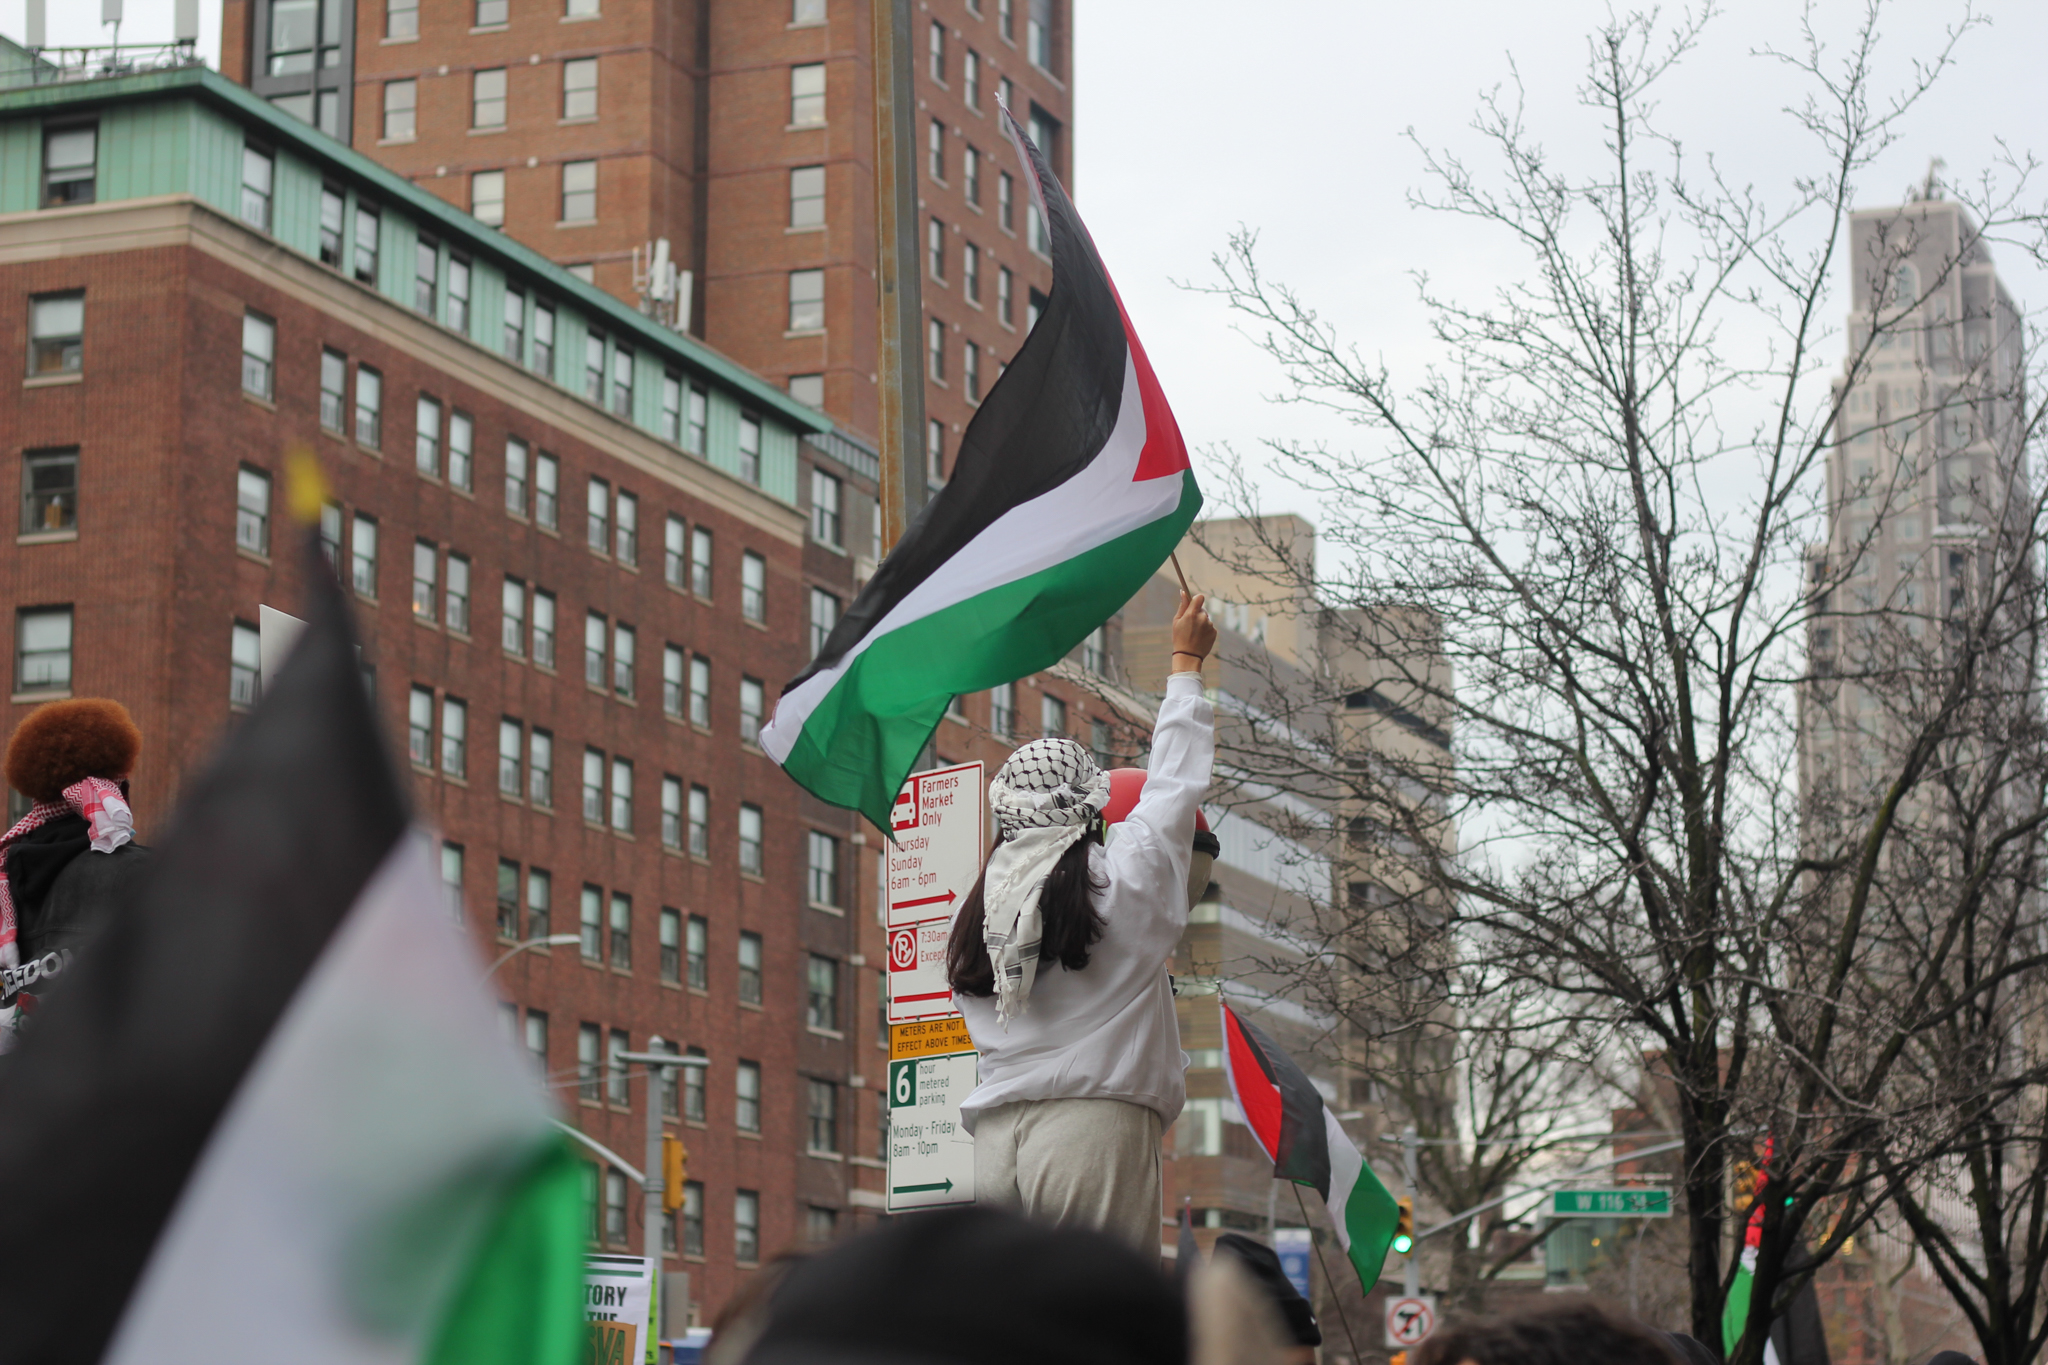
1194, 117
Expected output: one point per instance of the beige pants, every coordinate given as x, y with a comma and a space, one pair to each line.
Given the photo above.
1078, 1163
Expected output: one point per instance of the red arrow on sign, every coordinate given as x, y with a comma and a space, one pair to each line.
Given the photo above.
948, 899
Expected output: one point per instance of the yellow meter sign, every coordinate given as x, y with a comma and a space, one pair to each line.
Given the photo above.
929, 1038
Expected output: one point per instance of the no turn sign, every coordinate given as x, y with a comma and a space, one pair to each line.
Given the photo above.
1410, 1320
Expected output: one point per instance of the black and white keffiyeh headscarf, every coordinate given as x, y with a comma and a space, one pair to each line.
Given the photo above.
1044, 799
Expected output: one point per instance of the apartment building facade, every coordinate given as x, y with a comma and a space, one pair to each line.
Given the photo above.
583, 549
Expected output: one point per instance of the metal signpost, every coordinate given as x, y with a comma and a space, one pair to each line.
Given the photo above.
1613, 1203
660, 1066
941, 830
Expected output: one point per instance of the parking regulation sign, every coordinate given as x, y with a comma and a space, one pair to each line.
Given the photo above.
941, 837
1410, 1320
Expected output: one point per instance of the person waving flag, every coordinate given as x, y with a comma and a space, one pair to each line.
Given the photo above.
1071, 488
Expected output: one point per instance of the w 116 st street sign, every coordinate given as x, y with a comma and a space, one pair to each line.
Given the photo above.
1635, 1203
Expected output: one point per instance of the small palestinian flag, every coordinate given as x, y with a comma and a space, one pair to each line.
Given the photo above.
1070, 489
273, 1115
1307, 1144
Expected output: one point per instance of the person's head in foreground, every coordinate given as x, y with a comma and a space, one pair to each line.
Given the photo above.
1298, 1320
976, 1286
1574, 1332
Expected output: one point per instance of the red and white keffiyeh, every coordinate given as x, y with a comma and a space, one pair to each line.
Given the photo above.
109, 824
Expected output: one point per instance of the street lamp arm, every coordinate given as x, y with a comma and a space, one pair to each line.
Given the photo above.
637, 1177
518, 948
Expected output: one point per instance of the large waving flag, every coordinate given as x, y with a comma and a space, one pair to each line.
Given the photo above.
1307, 1144
1071, 488
272, 1114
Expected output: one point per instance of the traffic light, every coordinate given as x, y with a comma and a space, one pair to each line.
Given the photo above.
1404, 1229
675, 1168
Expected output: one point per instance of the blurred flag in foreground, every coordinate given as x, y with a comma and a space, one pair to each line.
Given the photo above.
1070, 489
1307, 1144
273, 1116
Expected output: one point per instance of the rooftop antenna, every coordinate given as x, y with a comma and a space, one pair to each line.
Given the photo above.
1931, 189
35, 25
110, 13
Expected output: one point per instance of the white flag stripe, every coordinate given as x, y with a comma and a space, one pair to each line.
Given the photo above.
1096, 506
1345, 1166
317, 1226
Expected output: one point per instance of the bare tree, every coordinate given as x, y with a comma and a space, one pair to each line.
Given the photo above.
1714, 727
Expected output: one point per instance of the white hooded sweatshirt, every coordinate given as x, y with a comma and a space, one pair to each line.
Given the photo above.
1108, 1031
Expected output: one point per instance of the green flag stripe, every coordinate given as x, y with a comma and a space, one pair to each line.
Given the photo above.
1370, 1217
521, 1302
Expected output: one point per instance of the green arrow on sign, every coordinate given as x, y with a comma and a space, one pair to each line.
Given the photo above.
945, 1185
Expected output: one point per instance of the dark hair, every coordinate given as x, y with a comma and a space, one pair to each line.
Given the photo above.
1577, 1333
63, 741
1072, 924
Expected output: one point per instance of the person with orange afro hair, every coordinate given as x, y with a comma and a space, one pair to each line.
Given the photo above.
72, 759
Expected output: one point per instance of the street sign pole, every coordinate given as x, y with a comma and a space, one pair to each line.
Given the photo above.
899, 375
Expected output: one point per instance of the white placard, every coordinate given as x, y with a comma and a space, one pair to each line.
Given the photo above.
621, 1289
931, 1157
941, 830
276, 633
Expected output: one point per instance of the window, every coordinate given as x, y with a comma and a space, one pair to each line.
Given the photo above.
938, 52
579, 191
622, 795
672, 681
616, 1092
750, 448
827, 527
491, 13
934, 452
427, 437
461, 455
487, 206
367, 223
671, 407
454, 736
259, 350
752, 701
455, 595
622, 931
622, 381
537, 1038
593, 786
245, 659
824, 616
1052, 716
543, 628
424, 562
515, 319
593, 367
1002, 710
700, 691
56, 334
806, 12
451, 877
669, 1110
401, 18
970, 78
42, 655
458, 294
820, 1224
1034, 308
806, 300
256, 179
508, 899
626, 529
544, 339
750, 840
623, 642
824, 870
746, 1211
1006, 19
674, 552
970, 371
700, 562
823, 1113
70, 165
753, 587
808, 388
970, 271
252, 508
807, 94
369, 406
400, 101
579, 88
426, 274
1098, 744
1006, 291
599, 504
935, 249
330, 534
593, 650
696, 951
935, 150
540, 769
671, 813
700, 822
546, 478
1094, 652
807, 196
1006, 201
511, 741
1038, 40
487, 99
580, 9
590, 924
419, 726
333, 390
363, 556
589, 1047
700, 419
691, 1215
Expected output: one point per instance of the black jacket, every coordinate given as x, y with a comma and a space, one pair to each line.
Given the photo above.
64, 894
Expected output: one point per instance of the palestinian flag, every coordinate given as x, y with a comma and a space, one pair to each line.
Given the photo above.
273, 1114
1307, 1145
1070, 489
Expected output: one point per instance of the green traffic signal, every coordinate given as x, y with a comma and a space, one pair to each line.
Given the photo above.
1403, 1244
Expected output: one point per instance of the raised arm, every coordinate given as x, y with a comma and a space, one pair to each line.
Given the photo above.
1156, 840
